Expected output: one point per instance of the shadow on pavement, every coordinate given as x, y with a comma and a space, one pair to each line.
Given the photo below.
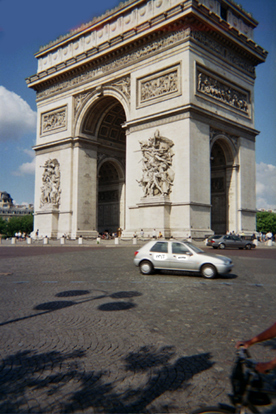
56, 381
59, 304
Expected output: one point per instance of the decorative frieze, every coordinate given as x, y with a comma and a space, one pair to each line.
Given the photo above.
55, 120
229, 55
153, 88
157, 158
50, 190
212, 86
146, 51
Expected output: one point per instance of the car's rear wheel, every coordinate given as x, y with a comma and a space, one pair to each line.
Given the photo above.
248, 246
222, 246
146, 267
209, 271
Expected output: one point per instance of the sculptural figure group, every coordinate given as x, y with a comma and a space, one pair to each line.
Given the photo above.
158, 176
50, 191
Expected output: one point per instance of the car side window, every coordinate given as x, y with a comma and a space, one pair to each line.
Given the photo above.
160, 247
178, 248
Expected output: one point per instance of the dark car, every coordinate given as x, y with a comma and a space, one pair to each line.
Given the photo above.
230, 241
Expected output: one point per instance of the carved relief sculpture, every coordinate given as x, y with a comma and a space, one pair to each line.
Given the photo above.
53, 120
222, 92
156, 86
158, 176
50, 190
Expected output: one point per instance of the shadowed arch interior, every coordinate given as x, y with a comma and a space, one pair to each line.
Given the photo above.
218, 189
104, 121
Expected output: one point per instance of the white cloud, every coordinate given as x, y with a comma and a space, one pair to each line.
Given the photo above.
16, 116
26, 167
266, 186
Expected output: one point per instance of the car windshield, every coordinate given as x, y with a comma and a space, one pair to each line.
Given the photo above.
193, 247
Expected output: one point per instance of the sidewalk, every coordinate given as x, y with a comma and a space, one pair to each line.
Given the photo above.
108, 243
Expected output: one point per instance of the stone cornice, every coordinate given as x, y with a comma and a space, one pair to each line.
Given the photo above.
192, 111
145, 18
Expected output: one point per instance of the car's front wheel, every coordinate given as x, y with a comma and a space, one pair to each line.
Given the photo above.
248, 246
222, 246
146, 267
209, 271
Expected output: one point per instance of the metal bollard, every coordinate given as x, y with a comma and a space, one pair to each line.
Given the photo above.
62, 240
29, 240
45, 240
116, 240
80, 240
134, 241
13, 240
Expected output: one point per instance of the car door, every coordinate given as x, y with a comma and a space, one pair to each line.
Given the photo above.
238, 242
181, 258
159, 255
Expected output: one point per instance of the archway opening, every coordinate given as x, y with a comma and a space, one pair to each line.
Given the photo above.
104, 125
218, 190
110, 196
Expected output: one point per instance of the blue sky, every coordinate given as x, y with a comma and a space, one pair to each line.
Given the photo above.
25, 26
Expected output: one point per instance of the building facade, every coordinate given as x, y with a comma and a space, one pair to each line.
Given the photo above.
9, 210
146, 120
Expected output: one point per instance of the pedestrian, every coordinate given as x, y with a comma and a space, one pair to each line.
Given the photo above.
142, 233
269, 333
154, 234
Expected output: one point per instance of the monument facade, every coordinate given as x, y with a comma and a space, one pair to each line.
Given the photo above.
146, 120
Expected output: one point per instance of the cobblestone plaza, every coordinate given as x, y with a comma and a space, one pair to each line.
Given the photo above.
82, 331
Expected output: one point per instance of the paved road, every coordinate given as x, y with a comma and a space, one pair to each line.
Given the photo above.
81, 331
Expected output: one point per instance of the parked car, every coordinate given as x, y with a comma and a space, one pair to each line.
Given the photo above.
180, 255
229, 241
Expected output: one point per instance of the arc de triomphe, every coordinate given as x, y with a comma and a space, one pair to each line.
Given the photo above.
146, 120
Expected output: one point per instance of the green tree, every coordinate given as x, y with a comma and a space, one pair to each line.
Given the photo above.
3, 226
266, 222
23, 224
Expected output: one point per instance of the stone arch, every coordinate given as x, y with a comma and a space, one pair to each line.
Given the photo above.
94, 102
223, 183
100, 119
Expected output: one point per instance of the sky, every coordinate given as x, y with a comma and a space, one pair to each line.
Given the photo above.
25, 26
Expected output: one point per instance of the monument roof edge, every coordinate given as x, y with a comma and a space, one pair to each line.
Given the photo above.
123, 6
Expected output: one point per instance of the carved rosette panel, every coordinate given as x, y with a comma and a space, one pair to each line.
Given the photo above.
157, 173
53, 121
155, 87
50, 190
211, 86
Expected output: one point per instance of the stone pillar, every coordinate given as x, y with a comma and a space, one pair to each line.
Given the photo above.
85, 192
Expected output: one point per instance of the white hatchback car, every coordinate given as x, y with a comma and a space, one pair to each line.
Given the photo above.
180, 255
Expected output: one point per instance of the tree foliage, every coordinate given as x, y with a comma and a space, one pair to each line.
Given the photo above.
16, 224
266, 222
